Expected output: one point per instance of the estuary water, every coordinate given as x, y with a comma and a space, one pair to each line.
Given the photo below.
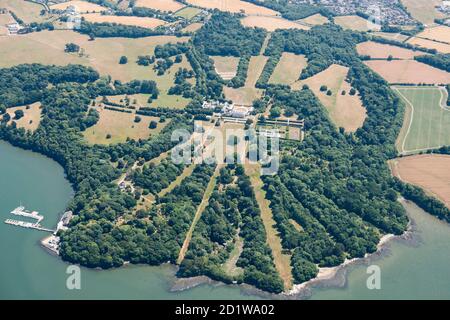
27, 271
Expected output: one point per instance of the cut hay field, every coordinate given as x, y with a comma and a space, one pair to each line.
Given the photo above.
345, 111
144, 22
271, 23
440, 47
288, 69
314, 20
234, 6
25, 10
31, 118
188, 12
356, 23
427, 120
423, 11
439, 33
81, 6
120, 126
408, 71
382, 51
430, 172
226, 67
162, 5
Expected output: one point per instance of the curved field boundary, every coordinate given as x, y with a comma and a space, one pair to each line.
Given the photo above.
410, 114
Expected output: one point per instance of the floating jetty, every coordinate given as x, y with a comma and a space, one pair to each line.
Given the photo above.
21, 211
28, 225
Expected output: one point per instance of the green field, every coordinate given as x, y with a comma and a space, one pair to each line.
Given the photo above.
427, 119
188, 12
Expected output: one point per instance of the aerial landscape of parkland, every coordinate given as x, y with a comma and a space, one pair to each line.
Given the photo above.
225, 150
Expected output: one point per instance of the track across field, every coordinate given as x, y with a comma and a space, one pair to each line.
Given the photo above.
427, 119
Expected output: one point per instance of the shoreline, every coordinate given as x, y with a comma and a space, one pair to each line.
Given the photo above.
332, 277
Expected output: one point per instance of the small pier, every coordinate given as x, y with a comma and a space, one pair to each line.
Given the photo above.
21, 211
27, 225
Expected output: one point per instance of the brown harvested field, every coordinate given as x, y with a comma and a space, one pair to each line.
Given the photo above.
193, 27
439, 33
423, 10
314, 20
244, 95
81, 6
271, 23
430, 172
25, 10
288, 69
6, 18
255, 68
31, 118
125, 20
391, 36
120, 126
440, 47
356, 23
382, 51
234, 6
408, 71
345, 110
248, 93
226, 67
162, 5
103, 54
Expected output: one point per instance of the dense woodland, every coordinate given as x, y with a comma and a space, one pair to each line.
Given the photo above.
440, 61
337, 187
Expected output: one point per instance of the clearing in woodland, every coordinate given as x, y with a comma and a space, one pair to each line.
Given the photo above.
345, 110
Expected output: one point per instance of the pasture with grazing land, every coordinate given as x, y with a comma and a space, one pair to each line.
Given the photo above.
25, 10
162, 5
102, 54
439, 33
430, 172
382, 51
440, 47
314, 20
345, 111
81, 6
120, 126
144, 22
226, 67
288, 69
424, 10
427, 119
408, 71
356, 23
31, 118
235, 6
271, 23
248, 93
